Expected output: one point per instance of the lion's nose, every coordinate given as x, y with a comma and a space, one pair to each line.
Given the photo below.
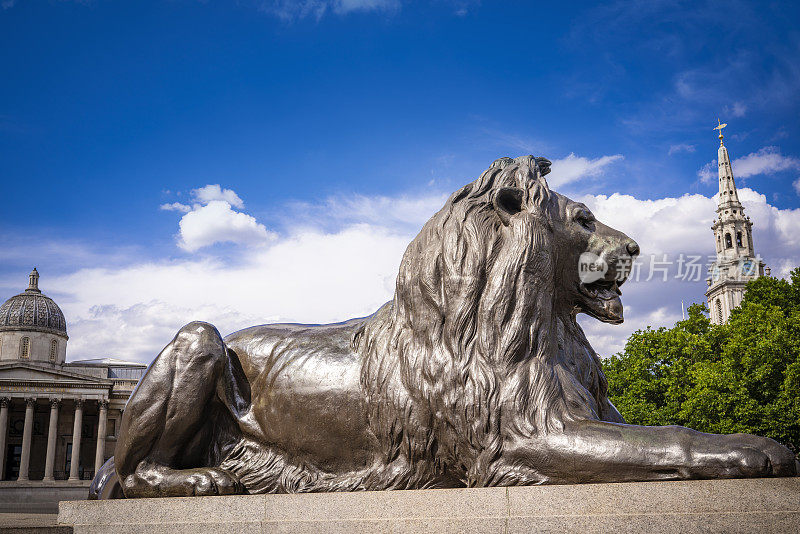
633, 248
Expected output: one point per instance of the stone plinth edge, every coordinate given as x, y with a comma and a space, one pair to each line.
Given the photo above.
754, 505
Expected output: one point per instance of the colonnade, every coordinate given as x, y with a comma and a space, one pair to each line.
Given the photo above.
52, 434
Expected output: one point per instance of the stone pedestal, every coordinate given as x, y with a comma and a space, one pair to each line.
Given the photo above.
757, 505
39, 496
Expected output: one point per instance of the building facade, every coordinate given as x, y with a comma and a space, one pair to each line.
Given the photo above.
736, 262
58, 420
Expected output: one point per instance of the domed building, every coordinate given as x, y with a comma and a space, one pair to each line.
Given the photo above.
32, 327
58, 420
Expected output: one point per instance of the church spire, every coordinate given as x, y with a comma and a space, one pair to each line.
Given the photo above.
736, 262
728, 196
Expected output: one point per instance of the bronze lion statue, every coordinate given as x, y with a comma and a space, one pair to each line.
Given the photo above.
475, 374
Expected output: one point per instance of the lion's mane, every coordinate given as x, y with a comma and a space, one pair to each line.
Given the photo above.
474, 347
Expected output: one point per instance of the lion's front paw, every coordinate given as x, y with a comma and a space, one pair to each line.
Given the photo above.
212, 481
153, 480
784, 463
781, 461
748, 462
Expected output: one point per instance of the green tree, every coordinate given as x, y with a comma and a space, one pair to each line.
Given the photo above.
743, 376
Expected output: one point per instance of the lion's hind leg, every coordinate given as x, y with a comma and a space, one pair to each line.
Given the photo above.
157, 453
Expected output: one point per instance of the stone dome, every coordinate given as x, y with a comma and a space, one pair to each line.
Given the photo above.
32, 310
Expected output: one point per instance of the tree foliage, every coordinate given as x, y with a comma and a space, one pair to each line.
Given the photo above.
743, 376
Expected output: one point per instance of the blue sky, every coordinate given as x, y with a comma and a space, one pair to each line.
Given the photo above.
330, 126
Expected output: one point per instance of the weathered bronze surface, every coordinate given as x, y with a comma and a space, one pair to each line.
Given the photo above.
475, 374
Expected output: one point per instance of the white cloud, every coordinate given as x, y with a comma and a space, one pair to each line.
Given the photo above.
796, 185
139, 331
660, 226
403, 213
709, 173
211, 219
681, 147
308, 276
768, 160
176, 206
216, 222
211, 192
346, 6
299, 9
738, 109
573, 168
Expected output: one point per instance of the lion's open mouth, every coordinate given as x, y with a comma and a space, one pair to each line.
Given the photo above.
602, 289
603, 300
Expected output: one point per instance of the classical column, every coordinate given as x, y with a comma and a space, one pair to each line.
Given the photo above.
4, 402
76, 441
27, 434
52, 435
101, 436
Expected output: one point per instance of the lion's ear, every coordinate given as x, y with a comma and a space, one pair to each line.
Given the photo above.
508, 202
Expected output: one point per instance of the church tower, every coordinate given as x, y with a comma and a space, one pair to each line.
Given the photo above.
736, 262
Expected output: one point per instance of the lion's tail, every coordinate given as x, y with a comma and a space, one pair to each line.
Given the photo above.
106, 483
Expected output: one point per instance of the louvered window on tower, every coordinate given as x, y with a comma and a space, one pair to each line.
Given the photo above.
719, 311
53, 350
25, 348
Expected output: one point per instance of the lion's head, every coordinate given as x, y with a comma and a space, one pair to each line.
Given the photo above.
507, 239
484, 313
590, 260
594, 260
